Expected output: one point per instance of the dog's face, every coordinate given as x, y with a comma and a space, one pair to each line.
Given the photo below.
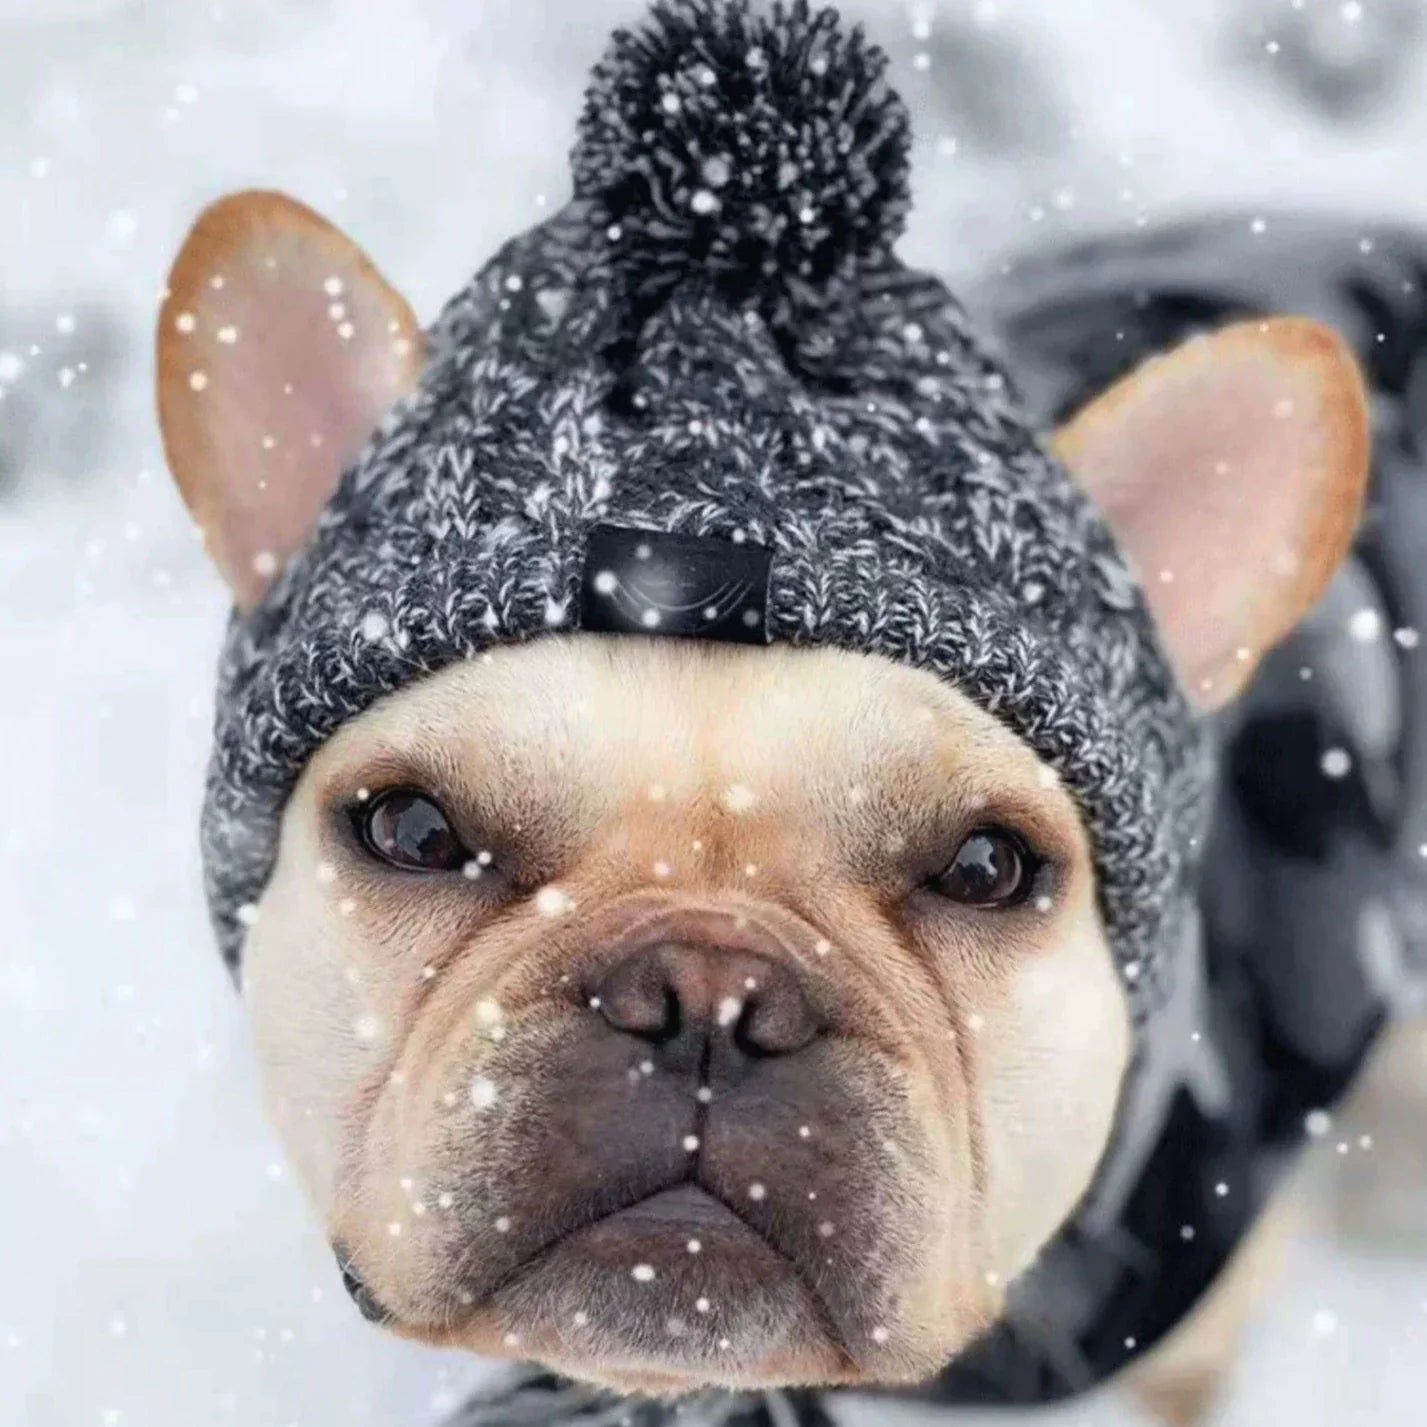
677, 1013
687, 1011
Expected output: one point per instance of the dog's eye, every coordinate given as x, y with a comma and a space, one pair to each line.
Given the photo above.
991, 869
407, 829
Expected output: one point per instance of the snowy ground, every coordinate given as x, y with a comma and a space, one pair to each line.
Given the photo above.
156, 1266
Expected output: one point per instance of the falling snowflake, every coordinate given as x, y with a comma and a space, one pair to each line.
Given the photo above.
1336, 762
553, 901
1365, 625
739, 798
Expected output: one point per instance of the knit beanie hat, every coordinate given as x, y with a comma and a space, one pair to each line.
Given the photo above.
705, 400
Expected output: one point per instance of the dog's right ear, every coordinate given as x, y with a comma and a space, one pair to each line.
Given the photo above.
279, 349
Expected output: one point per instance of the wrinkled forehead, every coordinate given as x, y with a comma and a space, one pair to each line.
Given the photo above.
588, 721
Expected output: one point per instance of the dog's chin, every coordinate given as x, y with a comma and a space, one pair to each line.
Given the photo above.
669, 1295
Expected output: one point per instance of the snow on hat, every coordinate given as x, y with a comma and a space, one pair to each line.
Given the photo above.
706, 400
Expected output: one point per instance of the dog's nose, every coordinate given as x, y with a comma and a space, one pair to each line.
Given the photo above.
677, 996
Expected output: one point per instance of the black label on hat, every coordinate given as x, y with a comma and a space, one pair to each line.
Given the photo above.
694, 586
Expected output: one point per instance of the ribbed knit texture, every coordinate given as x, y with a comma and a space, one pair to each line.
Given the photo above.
714, 338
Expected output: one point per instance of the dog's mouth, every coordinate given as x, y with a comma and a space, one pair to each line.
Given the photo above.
368, 1304
672, 1289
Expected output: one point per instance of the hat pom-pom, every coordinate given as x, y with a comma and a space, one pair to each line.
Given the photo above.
765, 151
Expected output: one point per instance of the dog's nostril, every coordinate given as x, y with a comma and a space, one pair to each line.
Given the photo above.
673, 1015
773, 1025
638, 997
663, 989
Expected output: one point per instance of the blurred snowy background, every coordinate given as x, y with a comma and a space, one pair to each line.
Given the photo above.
157, 1268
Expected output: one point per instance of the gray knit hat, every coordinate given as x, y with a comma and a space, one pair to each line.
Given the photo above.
706, 400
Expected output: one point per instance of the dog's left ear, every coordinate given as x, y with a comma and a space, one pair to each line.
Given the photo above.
1233, 472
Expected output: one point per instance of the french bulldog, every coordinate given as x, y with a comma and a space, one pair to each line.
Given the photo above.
683, 1013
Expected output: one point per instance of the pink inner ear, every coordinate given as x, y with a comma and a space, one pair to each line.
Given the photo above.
1228, 444
279, 350
1232, 471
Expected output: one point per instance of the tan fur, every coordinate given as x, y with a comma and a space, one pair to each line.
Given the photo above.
1005, 1034
1183, 1378
1374, 1196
